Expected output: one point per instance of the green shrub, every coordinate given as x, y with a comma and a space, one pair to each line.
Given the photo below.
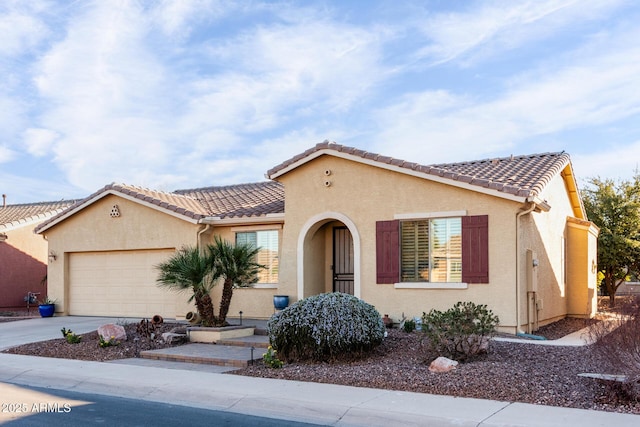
409, 325
270, 359
462, 332
326, 327
102, 343
70, 336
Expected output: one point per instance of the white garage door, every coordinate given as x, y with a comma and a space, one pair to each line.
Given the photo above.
120, 283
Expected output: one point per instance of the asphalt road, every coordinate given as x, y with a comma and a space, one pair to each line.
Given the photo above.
33, 407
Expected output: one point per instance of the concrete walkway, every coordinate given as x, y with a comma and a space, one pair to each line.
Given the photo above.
575, 339
323, 404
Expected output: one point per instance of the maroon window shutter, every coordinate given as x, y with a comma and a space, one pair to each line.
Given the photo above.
387, 251
475, 249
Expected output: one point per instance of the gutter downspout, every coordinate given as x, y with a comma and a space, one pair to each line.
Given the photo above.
199, 235
532, 206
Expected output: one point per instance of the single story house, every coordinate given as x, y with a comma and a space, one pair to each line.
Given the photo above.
510, 233
23, 254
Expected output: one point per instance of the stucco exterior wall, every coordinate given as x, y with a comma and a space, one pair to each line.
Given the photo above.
91, 229
544, 233
254, 302
23, 265
582, 275
362, 195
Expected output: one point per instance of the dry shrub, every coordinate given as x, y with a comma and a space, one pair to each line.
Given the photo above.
617, 343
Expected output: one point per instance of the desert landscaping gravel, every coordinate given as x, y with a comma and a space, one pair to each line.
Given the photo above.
513, 372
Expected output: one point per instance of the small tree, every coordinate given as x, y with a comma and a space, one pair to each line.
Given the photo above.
615, 208
236, 265
189, 270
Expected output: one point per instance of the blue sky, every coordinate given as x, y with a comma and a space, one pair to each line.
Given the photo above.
184, 94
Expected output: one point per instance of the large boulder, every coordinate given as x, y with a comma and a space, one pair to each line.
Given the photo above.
111, 331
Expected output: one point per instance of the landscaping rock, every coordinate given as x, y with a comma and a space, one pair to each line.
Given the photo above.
173, 338
110, 330
442, 364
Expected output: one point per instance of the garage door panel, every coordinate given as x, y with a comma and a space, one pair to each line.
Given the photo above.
119, 283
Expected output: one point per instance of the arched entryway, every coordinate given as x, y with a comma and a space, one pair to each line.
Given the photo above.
328, 256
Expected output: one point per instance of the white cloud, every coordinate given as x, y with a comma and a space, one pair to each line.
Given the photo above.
124, 110
20, 27
498, 25
615, 161
12, 117
30, 190
106, 93
306, 66
39, 141
6, 154
176, 94
176, 17
275, 77
595, 89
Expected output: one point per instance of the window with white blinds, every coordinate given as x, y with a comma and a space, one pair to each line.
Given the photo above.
431, 250
267, 242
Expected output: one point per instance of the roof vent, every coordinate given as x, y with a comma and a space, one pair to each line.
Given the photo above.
115, 212
4, 200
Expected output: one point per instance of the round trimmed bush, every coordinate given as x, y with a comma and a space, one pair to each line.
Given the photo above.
326, 327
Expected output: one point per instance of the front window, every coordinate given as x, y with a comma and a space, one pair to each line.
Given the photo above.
267, 242
431, 250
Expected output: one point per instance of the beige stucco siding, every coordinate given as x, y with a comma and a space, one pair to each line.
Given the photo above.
361, 195
93, 229
254, 302
582, 272
544, 233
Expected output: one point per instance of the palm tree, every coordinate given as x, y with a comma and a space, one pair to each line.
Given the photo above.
237, 266
190, 271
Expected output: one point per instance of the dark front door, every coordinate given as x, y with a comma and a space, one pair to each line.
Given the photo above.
342, 260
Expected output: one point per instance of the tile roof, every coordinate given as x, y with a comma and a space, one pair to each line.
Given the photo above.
173, 202
242, 200
12, 216
522, 176
232, 201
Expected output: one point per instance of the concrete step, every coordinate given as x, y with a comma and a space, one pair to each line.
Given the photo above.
211, 354
258, 341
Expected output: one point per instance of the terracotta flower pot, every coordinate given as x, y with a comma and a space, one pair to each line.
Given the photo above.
192, 317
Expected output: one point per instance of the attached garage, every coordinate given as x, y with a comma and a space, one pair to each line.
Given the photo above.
119, 284
104, 251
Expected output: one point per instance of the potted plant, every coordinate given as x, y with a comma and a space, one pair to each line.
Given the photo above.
47, 307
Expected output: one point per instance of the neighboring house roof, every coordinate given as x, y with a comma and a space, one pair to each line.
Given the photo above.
15, 216
233, 201
243, 200
519, 176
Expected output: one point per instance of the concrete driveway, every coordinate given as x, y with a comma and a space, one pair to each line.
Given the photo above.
45, 328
